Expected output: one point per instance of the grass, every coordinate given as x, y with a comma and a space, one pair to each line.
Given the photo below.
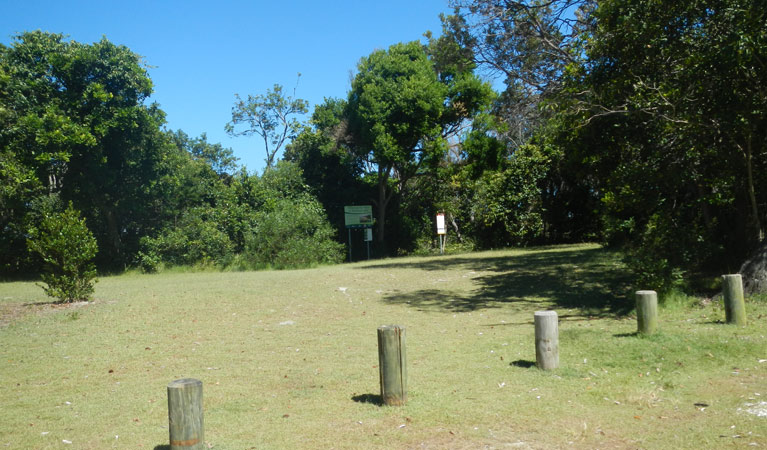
289, 359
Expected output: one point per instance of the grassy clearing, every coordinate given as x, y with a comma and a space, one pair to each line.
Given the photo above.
288, 359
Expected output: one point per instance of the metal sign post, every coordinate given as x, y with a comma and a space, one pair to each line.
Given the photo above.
368, 238
360, 217
350, 245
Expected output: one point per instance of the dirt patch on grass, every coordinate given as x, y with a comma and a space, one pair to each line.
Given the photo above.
448, 440
12, 312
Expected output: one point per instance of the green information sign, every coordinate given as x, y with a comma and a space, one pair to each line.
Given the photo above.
358, 216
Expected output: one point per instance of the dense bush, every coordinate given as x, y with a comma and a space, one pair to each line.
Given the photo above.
196, 240
252, 222
67, 248
296, 233
506, 204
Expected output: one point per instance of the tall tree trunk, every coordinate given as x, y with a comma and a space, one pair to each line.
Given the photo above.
756, 223
455, 227
113, 231
705, 206
383, 201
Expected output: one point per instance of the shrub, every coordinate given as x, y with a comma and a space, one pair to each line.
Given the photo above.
196, 240
67, 248
507, 203
296, 233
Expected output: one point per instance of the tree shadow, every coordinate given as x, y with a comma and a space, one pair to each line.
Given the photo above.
590, 280
523, 363
60, 304
373, 399
162, 447
43, 303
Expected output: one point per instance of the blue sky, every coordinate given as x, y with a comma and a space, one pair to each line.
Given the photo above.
201, 53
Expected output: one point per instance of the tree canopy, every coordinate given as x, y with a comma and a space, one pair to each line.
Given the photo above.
77, 128
399, 112
271, 116
671, 116
75, 124
638, 123
652, 114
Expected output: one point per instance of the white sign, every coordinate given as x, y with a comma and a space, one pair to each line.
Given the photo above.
441, 224
368, 234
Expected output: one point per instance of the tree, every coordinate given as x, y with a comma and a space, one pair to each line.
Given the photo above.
532, 46
67, 248
268, 116
531, 43
398, 112
290, 229
669, 113
221, 160
75, 122
328, 163
394, 109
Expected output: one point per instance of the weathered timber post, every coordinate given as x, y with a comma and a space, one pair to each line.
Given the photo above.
392, 365
647, 312
734, 305
185, 414
547, 339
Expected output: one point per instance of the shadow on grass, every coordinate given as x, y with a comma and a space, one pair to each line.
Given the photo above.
584, 317
591, 280
373, 399
523, 363
625, 335
162, 447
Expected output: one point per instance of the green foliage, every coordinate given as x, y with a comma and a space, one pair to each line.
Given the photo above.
329, 166
294, 233
400, 110
75, 123
506, 203
221, 160
496, 194
395, 102
196, 240
67, 248
247, 222
394, 111
285, 181
668, 117
529, 44
483, 149
268, 116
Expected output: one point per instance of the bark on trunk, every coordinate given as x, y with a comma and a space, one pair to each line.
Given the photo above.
754, 272
114, 233
383, 202
455, 227
758, 231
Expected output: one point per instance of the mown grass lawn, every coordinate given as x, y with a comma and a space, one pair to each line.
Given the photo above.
288, 359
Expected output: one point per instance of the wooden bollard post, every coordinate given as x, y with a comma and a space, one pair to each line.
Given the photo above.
392, 365
734, 305
647, 312
547, 339
185, 414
